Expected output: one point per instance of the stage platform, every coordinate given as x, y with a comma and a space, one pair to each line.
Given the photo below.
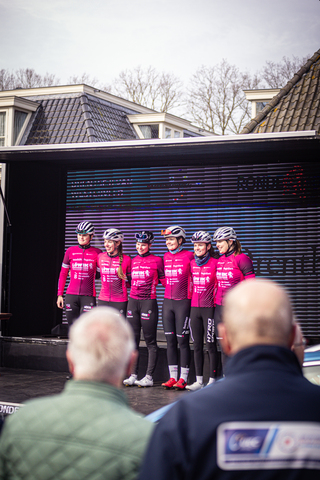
49, 354
36, 366
20, 385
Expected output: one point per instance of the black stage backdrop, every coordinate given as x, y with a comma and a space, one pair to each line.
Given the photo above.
273, 207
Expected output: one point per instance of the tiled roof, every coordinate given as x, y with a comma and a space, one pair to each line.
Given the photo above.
297, 105
77, 118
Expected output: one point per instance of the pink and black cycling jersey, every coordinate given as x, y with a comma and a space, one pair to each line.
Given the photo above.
145, 275
178, 275
82, 263
231, 270
204, 282
113, 288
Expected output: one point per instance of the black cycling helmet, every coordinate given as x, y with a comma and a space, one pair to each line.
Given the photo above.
85, 228
144, 236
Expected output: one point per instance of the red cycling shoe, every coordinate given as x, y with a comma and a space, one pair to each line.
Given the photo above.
169, 383
180, 385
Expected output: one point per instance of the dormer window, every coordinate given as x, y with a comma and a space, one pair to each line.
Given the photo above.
15, 113
149, 131
159, 125
260, 98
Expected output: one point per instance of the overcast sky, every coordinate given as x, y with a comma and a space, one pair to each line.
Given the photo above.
103, 37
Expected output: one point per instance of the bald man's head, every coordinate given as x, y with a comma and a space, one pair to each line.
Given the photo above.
257, 312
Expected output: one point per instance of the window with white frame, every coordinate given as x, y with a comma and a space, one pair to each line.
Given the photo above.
260, 106
15, 113
149, 131
19, 119
171, 133
167, 132
2, 128
159, 125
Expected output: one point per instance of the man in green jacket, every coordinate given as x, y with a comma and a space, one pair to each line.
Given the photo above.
88, 431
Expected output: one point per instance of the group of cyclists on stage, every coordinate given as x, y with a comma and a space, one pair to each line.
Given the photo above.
195, 284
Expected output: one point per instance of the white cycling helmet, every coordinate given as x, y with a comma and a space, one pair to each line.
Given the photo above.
113, 234
174, 231
85, 228
224, 233
201, 236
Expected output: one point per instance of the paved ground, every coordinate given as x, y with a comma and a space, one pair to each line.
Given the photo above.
19, 385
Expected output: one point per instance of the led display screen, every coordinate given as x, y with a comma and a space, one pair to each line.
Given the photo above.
273, 207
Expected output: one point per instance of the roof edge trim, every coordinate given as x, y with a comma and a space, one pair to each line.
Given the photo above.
160, 141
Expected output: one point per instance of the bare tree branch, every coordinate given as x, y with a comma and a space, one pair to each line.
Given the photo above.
158, 91
6, 80
26, 78
216, 100
50, 80
84, 78
276, 75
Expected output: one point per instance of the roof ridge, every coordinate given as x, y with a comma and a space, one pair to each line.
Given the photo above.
86, 111
284, 91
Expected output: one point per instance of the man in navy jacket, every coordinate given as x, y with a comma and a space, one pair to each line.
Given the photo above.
263, 420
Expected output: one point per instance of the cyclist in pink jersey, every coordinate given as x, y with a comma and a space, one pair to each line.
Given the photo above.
233, 266
203, 270
146, 272
115, 271
176, 305
81, 260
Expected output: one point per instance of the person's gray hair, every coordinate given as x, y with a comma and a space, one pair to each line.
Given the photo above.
101, 343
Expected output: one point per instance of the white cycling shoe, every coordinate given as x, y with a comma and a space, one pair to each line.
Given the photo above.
145, 382
194, 387
132, 380
211, 381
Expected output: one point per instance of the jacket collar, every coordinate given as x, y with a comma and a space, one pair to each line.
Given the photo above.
97, 389
261, 357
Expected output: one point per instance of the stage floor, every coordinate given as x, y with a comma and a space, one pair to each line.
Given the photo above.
19, 385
